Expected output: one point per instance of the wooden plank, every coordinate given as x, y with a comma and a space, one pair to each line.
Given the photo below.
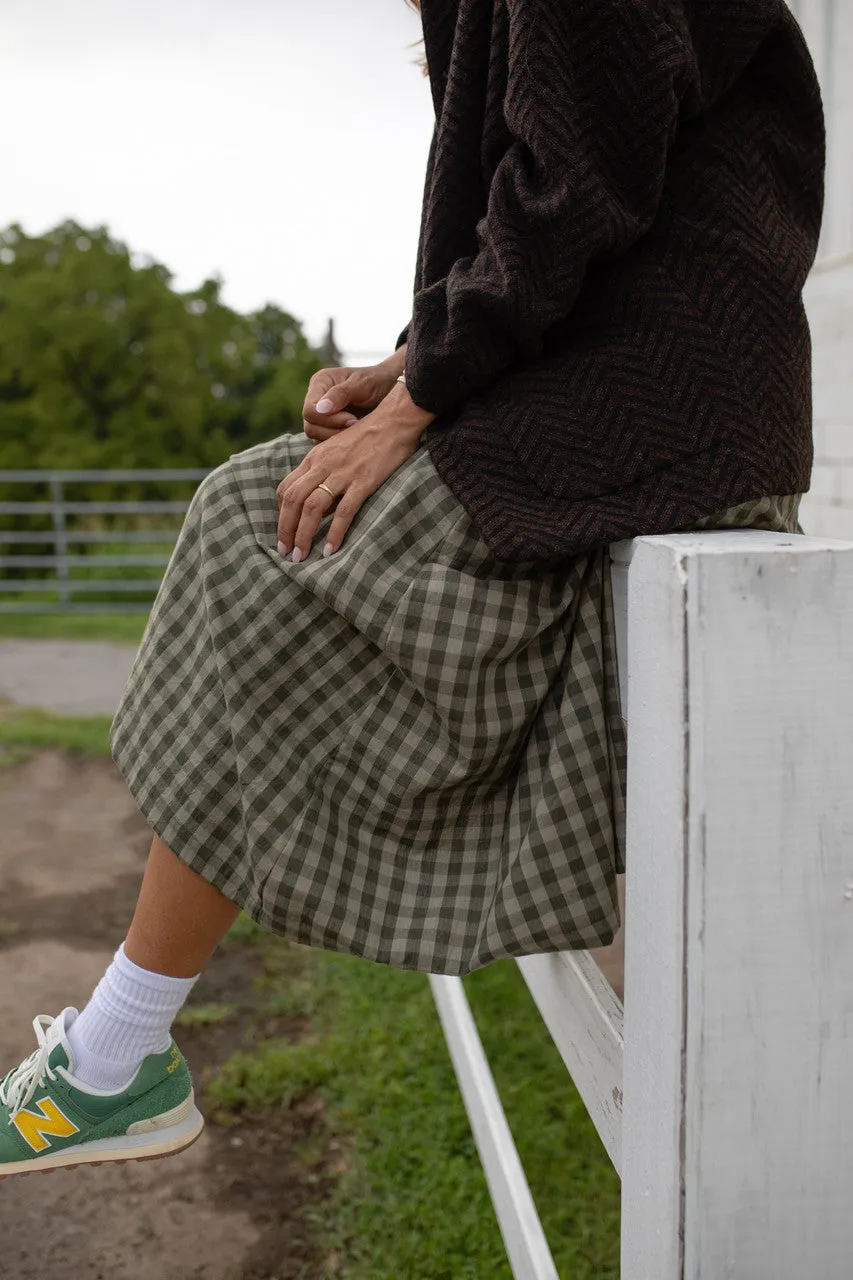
526, 1246
651, 1126
584, 1018
769, 1163
737, 1160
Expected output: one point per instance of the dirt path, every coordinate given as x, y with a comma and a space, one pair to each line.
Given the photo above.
71, 849
70, 677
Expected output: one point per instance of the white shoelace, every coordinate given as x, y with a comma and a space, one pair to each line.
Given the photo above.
22, 1082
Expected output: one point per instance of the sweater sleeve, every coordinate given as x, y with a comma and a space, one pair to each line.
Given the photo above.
592, 106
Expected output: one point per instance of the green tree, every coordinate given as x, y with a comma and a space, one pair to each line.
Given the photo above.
104, 364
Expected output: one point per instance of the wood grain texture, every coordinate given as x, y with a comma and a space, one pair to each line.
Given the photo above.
584, 1017
654, 960
737, 1163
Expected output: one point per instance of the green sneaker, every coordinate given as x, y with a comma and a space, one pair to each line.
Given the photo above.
49, 1120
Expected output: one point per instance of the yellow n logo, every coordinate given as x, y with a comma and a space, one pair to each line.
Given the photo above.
33, 1128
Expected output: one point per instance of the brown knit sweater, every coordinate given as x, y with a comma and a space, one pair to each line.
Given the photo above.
622, 203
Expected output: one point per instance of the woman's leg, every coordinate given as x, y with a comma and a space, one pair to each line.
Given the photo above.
179, 918
123, 1085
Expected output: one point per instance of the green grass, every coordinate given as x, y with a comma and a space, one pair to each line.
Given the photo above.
123, 628
204, 1015
414, 1204
24, 730
244, 929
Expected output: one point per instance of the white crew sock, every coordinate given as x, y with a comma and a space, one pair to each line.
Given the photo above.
129, 1015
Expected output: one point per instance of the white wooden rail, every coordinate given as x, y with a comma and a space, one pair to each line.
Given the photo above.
735, 1054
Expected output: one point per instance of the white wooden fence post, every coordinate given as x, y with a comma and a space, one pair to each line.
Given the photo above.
737, 1142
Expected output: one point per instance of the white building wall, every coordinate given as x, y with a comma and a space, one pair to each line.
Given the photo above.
828, 28
828, 507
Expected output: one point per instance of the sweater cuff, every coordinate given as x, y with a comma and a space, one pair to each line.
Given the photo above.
404, 337
447, 363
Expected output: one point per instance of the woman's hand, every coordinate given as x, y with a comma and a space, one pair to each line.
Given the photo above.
347, 395
353, 464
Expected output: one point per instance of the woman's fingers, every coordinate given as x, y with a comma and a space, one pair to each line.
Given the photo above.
322, 426
315, 508
317, 434
295, 476
334, 389
302, 505
345, 512
354, 465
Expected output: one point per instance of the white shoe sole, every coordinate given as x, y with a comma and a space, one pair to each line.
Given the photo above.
151, 1139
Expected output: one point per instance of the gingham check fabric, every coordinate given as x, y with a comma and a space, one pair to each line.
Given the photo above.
410, 751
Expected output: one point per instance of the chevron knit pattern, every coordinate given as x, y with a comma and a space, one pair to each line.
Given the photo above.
622, 203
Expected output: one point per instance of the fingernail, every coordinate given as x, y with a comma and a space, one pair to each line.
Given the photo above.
324, 406
297, 555
282, 549
328, 549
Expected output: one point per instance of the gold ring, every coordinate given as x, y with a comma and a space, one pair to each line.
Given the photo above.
321, 485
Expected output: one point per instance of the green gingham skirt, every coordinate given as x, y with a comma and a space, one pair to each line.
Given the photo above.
410, 751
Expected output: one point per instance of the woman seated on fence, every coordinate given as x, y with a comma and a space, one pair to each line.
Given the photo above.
376, 704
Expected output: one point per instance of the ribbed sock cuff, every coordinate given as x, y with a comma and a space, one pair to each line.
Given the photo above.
129, 1016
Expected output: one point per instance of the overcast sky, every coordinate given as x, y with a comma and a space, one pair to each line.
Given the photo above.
280, 143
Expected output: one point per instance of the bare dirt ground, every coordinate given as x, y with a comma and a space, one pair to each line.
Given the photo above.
72, 846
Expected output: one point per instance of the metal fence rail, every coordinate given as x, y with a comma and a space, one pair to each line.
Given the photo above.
64, 579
